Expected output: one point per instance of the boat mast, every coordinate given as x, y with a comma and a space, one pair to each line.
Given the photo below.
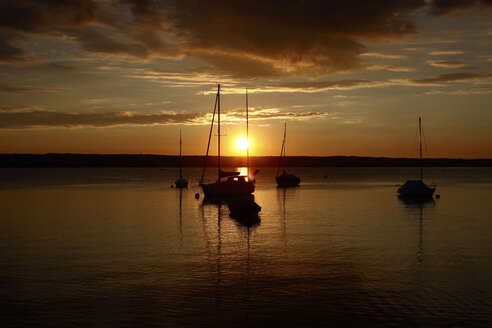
282, 151
209, 138
285, 145
247, 136
218, 131
180, 175
420, 148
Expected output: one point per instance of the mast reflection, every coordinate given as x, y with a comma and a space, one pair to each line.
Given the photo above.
218, 205
181, 215
420, 204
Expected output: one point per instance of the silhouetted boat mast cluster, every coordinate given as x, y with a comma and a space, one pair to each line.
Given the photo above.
236, 190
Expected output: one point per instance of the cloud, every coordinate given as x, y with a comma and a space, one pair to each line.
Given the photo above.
42, 16
96, 41
441, 7
30, 16
27, 89
448, 64
380, 55
9, 52
390, 68
446, 52
146, 13
413, 49
300, 86
39, 118
481, 91
245, 39
288, 37
441, 80
262, 114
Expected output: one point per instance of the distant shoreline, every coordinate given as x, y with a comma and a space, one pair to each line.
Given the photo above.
144, 160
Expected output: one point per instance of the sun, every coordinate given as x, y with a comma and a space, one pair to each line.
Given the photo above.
242, 143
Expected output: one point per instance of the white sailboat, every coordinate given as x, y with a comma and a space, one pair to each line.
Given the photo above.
417, 188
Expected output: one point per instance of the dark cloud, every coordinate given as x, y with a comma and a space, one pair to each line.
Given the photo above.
96, 41
295, 37
32, 16
236, 38
441, 7
37, 16
56, 66
237, 66
25, 89
145, 13
32, 118
8, 50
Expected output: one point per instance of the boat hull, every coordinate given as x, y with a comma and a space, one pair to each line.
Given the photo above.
181, 183
416, 189
287, 180
226, 189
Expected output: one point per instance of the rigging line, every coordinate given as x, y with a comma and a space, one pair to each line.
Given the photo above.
209, 137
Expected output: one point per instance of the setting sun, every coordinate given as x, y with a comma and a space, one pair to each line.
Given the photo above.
242, 143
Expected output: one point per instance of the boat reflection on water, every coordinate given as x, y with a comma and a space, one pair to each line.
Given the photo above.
244, 210
209, 241
217, 233
419, 203
181, 215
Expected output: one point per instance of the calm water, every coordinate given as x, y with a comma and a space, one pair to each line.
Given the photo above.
119, 247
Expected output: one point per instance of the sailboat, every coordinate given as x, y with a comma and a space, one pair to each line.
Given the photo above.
181, 182
285, 179
417, 188
228, 184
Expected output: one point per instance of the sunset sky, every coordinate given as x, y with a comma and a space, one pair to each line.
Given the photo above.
349, 77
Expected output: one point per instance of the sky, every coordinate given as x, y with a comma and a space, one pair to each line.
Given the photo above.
348, 77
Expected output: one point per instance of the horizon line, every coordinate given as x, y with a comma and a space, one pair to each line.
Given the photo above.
239, 156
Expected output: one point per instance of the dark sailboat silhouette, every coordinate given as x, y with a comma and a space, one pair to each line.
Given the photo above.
244, 209
181, 182
285, 179
417, 188
235, 185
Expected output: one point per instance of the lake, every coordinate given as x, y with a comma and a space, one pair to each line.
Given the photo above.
119, 247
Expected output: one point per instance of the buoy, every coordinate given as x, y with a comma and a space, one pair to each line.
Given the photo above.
197, 195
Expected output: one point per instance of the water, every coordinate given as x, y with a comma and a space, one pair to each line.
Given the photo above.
119, 247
